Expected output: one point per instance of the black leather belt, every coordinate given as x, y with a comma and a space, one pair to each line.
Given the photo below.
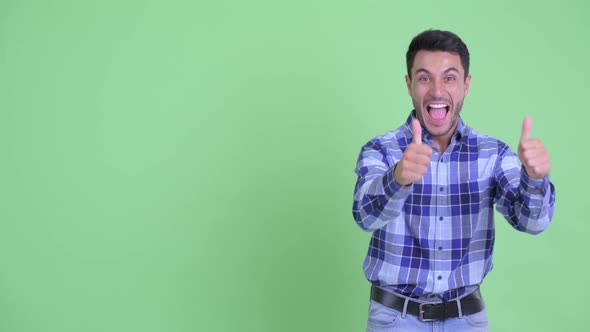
428, 312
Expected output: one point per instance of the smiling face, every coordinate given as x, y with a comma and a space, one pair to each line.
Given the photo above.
438, 87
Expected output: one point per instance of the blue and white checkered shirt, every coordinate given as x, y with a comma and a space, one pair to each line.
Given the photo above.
436, 236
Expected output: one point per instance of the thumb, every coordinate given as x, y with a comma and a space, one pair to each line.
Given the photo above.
416, 132
527, 125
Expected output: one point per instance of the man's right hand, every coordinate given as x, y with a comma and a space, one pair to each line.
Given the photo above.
415, 160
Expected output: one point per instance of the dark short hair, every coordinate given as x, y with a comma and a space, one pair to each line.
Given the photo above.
438, 40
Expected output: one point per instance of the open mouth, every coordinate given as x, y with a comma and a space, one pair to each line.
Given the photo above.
437, 112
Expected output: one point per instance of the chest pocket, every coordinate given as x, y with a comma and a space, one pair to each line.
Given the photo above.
472, 189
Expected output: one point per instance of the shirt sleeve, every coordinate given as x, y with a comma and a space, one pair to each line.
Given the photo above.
378, 198
526, 203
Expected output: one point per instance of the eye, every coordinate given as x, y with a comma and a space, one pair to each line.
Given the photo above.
450, 78
423, 78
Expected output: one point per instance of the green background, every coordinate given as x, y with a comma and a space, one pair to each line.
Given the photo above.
188, 165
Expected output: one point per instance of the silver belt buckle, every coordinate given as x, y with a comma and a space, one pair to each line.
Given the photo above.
421, 314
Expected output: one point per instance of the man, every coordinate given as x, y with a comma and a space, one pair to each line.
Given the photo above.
427, 191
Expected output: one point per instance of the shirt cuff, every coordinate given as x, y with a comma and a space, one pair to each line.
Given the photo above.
533, 186
392, 188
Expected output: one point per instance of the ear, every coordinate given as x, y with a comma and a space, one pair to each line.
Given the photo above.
467, 83
409, 84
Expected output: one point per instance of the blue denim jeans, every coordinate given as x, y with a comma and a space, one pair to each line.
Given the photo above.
384, 319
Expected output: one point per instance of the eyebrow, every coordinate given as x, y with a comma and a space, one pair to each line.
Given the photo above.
452, 69
424, 70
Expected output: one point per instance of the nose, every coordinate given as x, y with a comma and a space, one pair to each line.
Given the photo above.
437, 88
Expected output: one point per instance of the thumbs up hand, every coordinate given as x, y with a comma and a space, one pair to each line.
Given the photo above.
415, 160
532, 153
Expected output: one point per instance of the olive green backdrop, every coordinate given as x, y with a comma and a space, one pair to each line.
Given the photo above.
188, 165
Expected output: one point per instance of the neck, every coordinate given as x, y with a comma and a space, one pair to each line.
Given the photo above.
441, 143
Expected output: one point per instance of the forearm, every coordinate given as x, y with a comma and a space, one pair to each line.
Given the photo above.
378, 200
530, 207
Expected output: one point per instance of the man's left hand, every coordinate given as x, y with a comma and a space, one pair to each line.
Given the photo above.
532, 153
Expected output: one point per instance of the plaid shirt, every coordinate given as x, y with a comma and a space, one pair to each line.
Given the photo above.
436, 236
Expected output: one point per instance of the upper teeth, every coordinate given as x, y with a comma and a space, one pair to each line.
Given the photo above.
438, 105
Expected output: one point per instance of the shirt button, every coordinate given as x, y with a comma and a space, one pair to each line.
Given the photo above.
440, 218
439, 277
441, 188
440, 248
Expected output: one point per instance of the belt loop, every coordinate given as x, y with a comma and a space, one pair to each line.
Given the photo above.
405, 311
459, 310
